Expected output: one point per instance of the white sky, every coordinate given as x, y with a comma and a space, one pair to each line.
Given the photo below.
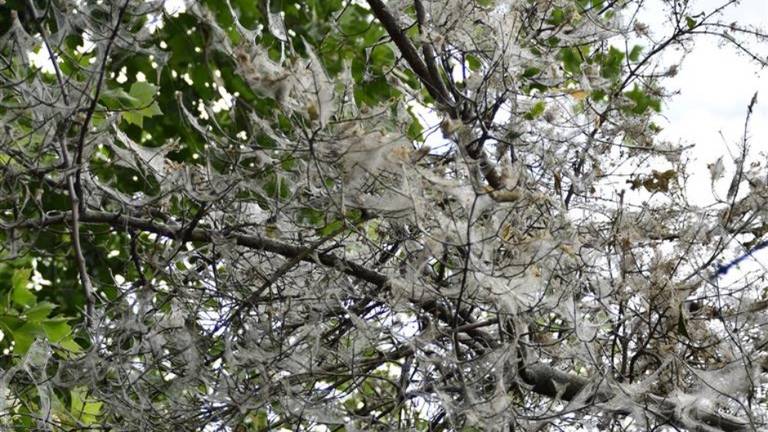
716, 85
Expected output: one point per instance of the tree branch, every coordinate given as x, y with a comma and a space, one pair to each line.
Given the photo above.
429, 51
544, 380
408, 51
550, 382
95, 102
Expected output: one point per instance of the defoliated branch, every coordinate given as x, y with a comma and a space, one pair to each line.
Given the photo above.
543, 380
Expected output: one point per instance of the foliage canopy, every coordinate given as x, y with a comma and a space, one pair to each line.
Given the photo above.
232, 215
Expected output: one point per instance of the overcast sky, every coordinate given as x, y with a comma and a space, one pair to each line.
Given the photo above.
716, 85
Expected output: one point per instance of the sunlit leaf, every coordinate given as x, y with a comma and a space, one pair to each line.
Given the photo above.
21, 294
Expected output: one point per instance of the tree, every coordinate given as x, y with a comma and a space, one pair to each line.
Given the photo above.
228, 217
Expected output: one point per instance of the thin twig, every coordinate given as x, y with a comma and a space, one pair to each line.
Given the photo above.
95, 101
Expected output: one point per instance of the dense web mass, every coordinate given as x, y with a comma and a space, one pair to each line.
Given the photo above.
224, 215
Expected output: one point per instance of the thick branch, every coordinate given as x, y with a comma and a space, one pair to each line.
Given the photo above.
408, 51
178, 232
428, 50
548, 381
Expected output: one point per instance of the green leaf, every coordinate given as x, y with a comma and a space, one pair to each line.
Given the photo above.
536, 111
415, 130
56, 329
597, 94
642, 101
557, 17
571, 60
311, 216
40, 311
25, 335
84, 408
690, 22
260, 421
70, 345
144, 93
118, 99
21, 294
634, 54
473, 63
277, 186
10, 320
20, 278
612, 65
332, 228
531, 72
